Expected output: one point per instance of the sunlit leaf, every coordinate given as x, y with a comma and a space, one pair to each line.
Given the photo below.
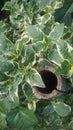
55, 57
64, 49
34, 78
62, 109
35, 33
71, 70
57, 32
43, 4
32, 106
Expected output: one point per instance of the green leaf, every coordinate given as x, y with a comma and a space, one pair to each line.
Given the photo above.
14, 22
48, 110
62, 109
35, 33
27, 91
21, 118
3, 123
3, 107
71, 125
2, 58
57, 32
34, 78
43, 20
64, 69
3, 77
3, 27
55, 57
63, 14
5, 44
43, 4
44, 62
8, 6
38, 46
3, 91
29, 54
64, 49
57, 124
12, 100
6, 66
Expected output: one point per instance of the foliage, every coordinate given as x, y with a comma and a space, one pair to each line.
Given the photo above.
35, 33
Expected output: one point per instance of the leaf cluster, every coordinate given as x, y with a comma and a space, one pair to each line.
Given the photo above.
33, 35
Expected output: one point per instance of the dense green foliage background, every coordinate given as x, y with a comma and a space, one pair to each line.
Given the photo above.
35, 33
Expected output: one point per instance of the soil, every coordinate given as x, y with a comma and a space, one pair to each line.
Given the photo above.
4, 15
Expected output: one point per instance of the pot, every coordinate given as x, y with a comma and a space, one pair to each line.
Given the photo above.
54, 84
